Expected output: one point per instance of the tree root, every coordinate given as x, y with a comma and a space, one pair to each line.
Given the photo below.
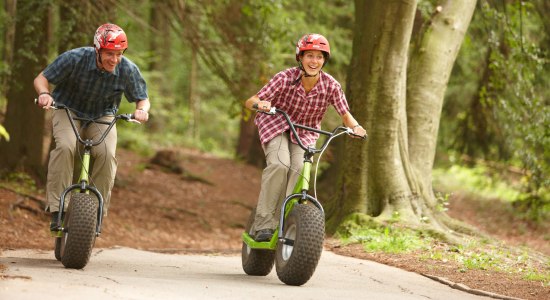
20, 202
21, 205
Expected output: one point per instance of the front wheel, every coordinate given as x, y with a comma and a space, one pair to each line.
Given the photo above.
256, 262
304, 233
80, 231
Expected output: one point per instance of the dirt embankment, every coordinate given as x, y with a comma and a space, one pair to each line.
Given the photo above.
191, 201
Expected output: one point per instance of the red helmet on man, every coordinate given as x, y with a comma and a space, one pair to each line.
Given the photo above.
110, 36
312, 41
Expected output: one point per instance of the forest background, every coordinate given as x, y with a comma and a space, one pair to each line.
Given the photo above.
202, 59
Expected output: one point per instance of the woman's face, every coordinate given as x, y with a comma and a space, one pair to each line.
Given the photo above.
312, 61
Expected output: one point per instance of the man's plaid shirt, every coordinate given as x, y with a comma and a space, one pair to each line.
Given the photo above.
93, 93
288, 94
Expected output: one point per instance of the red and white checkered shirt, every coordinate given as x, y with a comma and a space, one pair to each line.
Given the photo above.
287, 94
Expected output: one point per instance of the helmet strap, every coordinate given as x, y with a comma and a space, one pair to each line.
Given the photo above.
100, 60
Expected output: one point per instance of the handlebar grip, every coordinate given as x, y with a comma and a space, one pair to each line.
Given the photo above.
54, 105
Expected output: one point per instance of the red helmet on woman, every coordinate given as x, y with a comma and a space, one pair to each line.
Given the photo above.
110, 36
312, 41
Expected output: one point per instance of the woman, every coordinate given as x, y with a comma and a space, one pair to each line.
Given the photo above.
304, 93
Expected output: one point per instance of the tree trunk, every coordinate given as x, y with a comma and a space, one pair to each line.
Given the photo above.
399, 156
380, 46
390, 186
9, 36
27, 150
194, 100
160, 44
248, 146
78, 29
78, 21
430, 68
351, 196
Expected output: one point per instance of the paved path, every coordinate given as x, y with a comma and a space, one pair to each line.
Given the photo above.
125, 273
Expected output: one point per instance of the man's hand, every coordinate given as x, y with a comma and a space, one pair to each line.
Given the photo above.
45, 100
141, 115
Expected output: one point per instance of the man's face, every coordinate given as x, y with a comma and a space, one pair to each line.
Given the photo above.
110, 58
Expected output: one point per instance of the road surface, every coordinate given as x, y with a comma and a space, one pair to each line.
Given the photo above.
125, 273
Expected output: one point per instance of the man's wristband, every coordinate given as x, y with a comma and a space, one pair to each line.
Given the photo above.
44, 93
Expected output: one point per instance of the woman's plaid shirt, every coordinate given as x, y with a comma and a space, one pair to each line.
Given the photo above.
285, 92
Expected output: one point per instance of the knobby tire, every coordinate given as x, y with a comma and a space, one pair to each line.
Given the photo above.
305, 227
57, 250
80, 231
256, 262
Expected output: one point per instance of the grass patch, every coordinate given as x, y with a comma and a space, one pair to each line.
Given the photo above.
485, 255
19, 182
388, 238
473, 254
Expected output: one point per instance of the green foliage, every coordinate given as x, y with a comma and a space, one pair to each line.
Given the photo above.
273, 26
478, 180
4, 134
442, 201
499, 109
488, 182
20, 182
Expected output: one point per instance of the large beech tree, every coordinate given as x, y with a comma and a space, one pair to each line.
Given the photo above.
399, 98
27, 149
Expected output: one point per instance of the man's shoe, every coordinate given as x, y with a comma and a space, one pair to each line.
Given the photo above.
53, 222
263, 235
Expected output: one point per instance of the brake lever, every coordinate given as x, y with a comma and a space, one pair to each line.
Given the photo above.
129, 118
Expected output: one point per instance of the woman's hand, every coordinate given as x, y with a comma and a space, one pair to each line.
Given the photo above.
264, 106
359, 130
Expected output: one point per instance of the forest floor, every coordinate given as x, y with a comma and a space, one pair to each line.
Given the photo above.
200, 203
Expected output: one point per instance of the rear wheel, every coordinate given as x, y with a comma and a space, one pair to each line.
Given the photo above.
256, 262
298, 255
57, 250
79, 232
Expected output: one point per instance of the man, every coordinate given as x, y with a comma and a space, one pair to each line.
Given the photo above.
90, 81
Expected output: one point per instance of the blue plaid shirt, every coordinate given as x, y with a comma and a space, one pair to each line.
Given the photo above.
93, 93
